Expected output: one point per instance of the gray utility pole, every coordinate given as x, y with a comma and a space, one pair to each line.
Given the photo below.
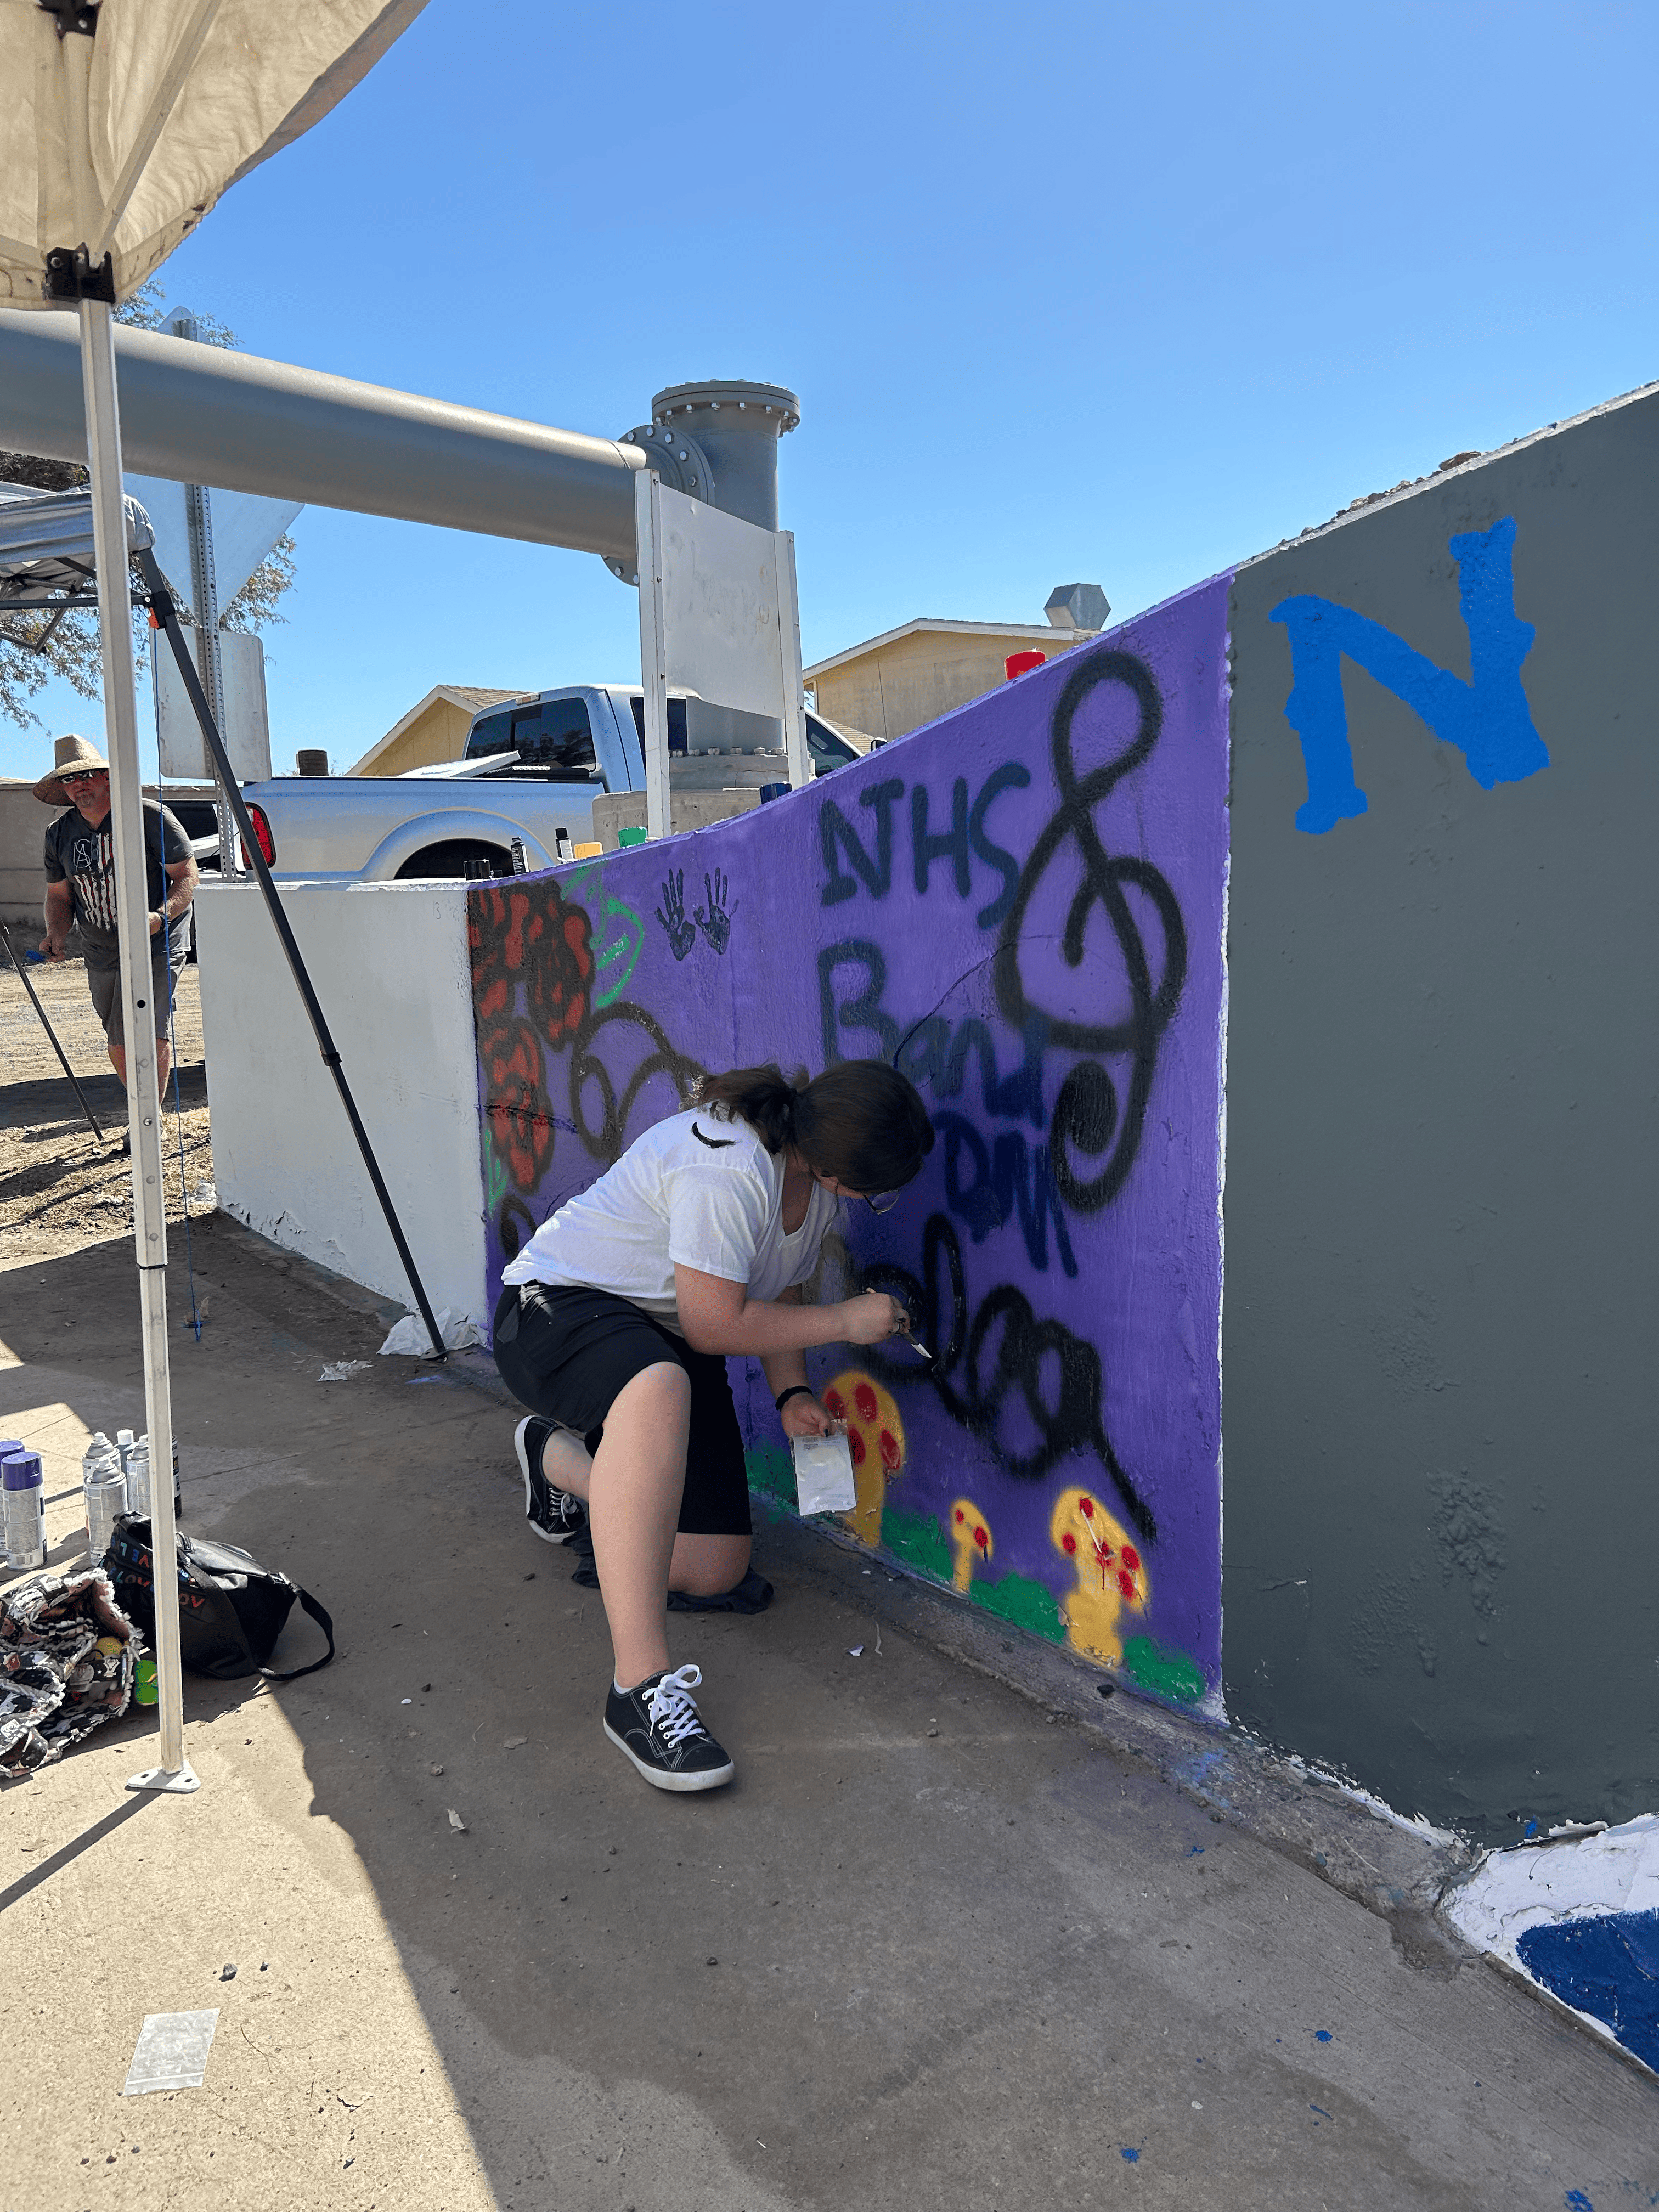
205, 606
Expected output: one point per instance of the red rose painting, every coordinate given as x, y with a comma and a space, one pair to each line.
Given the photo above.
518, 1111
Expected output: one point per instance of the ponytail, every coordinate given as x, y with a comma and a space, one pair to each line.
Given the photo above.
860, 1122
763, 1097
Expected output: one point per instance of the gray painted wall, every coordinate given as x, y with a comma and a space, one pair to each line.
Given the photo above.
1441, 1509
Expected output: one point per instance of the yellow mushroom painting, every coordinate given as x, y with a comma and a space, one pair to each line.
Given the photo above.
875, 1437
970, 1540
1109, 1574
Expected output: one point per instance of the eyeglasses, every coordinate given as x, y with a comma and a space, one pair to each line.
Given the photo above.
883, 1202
80, 775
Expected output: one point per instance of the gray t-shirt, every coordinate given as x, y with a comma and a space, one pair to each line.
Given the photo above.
83, 855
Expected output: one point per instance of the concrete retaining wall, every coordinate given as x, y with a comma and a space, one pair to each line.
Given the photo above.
1442, 1070
389, 964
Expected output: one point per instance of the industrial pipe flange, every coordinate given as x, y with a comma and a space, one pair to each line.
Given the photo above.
674, 455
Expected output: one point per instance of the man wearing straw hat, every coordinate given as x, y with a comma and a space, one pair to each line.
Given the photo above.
80, 889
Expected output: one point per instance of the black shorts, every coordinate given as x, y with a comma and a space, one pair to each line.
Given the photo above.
568, 1354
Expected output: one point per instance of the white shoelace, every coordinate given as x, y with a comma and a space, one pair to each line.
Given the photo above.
672, 1708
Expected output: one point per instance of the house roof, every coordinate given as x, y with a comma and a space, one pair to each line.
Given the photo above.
469, 698
1039, 633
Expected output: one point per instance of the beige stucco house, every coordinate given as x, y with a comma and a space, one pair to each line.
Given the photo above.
433, 731
893, 683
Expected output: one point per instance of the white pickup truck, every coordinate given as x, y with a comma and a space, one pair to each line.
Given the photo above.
531, 770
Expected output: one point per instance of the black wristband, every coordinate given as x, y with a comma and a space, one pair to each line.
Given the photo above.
795, 1391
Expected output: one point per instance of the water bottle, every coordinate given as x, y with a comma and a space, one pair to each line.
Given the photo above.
178, 1494
103, 1488
23, 1509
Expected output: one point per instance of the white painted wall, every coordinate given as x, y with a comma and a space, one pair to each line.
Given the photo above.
389, 963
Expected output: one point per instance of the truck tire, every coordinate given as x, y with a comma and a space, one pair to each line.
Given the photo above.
449, 858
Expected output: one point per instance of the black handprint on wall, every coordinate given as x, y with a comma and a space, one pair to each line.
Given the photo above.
716, 918
682, 933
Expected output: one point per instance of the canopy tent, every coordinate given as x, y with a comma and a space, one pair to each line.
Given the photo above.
46, 549
124, 122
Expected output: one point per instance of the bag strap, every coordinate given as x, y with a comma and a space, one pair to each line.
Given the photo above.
325, 1624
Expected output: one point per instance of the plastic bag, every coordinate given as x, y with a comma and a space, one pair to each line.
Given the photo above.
823, 1474
409, 1338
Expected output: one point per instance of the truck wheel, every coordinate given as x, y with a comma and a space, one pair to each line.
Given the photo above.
449, 860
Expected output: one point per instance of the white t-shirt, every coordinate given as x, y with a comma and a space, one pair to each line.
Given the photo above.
696, 1191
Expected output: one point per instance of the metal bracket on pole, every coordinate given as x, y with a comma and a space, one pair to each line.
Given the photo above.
165, 615
653, 665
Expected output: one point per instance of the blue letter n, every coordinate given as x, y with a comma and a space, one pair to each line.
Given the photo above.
1487, 718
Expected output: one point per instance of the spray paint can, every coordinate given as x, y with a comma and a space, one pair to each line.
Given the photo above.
104, 1487
23, 1509
178, 1494
125, 1441
140, 1475
563, 848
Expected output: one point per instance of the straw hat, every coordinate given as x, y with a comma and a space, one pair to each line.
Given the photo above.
68, 752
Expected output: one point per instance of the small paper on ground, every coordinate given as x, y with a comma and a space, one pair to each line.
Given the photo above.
171, 2052
342, 1370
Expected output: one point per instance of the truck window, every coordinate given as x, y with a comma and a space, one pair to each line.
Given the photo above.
676, 722
824, 748
554, 733
490, 734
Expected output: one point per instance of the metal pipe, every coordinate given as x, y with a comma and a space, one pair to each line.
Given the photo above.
200, 414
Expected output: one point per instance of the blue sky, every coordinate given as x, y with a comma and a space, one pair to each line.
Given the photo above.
1114, 293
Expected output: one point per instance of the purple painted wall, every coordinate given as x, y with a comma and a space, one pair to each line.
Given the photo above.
1023, 906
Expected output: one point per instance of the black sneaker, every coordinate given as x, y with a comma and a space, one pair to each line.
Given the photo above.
658, 1726
554, 1515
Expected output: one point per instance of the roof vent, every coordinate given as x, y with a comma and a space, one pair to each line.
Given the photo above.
1078, 606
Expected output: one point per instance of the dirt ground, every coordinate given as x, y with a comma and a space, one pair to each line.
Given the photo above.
60, 1188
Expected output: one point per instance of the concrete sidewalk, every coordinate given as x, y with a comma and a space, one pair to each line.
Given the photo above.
948, 1942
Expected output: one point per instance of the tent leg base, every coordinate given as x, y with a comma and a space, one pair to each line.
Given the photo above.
180, 1782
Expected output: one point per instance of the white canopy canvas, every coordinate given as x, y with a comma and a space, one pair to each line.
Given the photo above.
181, 98
122, 122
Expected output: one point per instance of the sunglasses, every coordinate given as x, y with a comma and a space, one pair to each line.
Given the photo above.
82, 775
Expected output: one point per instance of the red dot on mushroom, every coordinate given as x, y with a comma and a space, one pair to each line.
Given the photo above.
855, 1446
961, 1516
1131, 1557
1125, 1582
1068, 1542
1086, 1507
890, 1454
981, 1537
864, 1399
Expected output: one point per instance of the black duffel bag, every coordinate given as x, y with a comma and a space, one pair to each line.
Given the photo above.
231, 1609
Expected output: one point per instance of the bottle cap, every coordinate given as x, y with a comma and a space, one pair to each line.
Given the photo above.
22, 1471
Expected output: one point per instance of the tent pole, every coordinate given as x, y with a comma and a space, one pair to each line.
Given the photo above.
165, 615
138, 1015
23, 978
